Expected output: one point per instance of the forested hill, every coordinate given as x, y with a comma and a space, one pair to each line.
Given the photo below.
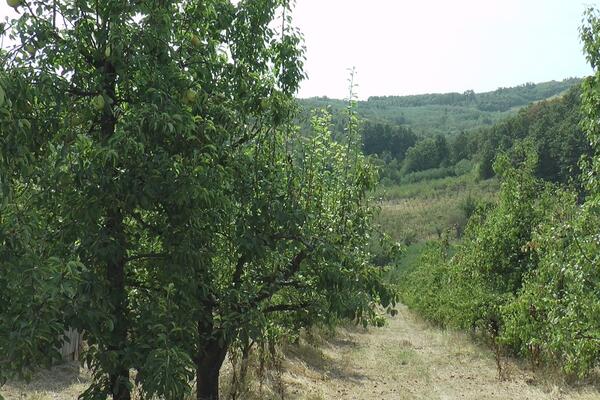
447, 113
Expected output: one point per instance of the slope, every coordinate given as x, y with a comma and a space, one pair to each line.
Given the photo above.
447, 113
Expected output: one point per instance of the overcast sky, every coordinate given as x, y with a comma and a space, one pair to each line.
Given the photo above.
422, 46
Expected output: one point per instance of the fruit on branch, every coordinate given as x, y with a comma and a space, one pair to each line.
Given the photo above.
98, 102
14, 3
190, 96
196, 41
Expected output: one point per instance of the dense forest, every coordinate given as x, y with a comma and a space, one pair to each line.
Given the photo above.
551, 125
407, 154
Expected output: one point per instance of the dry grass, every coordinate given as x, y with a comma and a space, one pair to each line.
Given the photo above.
422, 211
63, 382
407, 359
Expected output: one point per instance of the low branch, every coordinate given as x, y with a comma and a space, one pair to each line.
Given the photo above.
274, 284
145, 256
286, 307
78, 92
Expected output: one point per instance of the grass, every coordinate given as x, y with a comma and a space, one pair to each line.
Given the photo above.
62, 382
422, 211
407, 359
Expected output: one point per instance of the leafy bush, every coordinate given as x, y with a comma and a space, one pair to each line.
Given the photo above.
427, 175
525, 276
554, 318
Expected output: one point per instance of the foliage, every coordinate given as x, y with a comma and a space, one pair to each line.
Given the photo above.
487, 261
447, 134
553, 127
413, 213
156, 196
527, 273
426, 154
393, 140
524, 275
501, 99
554, 318
448, 113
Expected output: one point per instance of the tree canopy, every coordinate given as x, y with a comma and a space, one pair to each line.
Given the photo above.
157, 197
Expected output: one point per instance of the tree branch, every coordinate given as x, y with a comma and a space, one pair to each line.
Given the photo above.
237, 275
286, 307
145, 256
274, 284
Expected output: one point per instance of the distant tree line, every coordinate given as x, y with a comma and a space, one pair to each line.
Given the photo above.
501, 99
553, 127
447, 114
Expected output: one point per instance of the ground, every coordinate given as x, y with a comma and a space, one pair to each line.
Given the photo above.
407, 359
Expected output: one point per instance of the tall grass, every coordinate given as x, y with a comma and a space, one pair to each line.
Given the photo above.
421, 211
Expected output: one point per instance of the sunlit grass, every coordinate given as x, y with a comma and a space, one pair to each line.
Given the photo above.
422, 211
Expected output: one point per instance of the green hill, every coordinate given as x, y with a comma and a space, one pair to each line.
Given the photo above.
449, 113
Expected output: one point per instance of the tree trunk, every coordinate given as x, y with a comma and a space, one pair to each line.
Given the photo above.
208, 363
208, 368
119, 377
117, 257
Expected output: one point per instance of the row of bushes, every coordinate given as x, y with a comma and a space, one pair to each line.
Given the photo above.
526, 274
392, 177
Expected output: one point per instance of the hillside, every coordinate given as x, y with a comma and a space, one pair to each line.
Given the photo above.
447, 113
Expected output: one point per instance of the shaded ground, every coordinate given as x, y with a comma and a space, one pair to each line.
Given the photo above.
408, 359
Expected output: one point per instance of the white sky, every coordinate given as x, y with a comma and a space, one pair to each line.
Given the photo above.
422, 46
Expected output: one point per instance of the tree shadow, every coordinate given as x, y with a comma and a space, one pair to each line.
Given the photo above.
317, 361
56, 379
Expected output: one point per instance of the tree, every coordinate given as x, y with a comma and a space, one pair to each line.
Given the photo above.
148, 153
380, 138
427, 153
527, 273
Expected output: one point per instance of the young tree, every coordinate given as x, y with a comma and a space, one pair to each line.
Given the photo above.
147, 153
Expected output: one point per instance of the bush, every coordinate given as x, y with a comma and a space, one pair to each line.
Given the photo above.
526, 275
555, 316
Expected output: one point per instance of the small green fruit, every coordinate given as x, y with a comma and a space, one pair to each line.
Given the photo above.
98, 102
14, 3
191, 96
2, 96
196, 41
30, 49
107, 52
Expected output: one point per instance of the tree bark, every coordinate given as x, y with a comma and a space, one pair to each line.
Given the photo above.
119, 377
209, 360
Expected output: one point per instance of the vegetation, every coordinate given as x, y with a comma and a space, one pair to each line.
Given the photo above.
526, 275
553, 127
156, 196
400, 152
446, 114
413, 213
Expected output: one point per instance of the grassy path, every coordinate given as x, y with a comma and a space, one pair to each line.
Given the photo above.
408, 359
